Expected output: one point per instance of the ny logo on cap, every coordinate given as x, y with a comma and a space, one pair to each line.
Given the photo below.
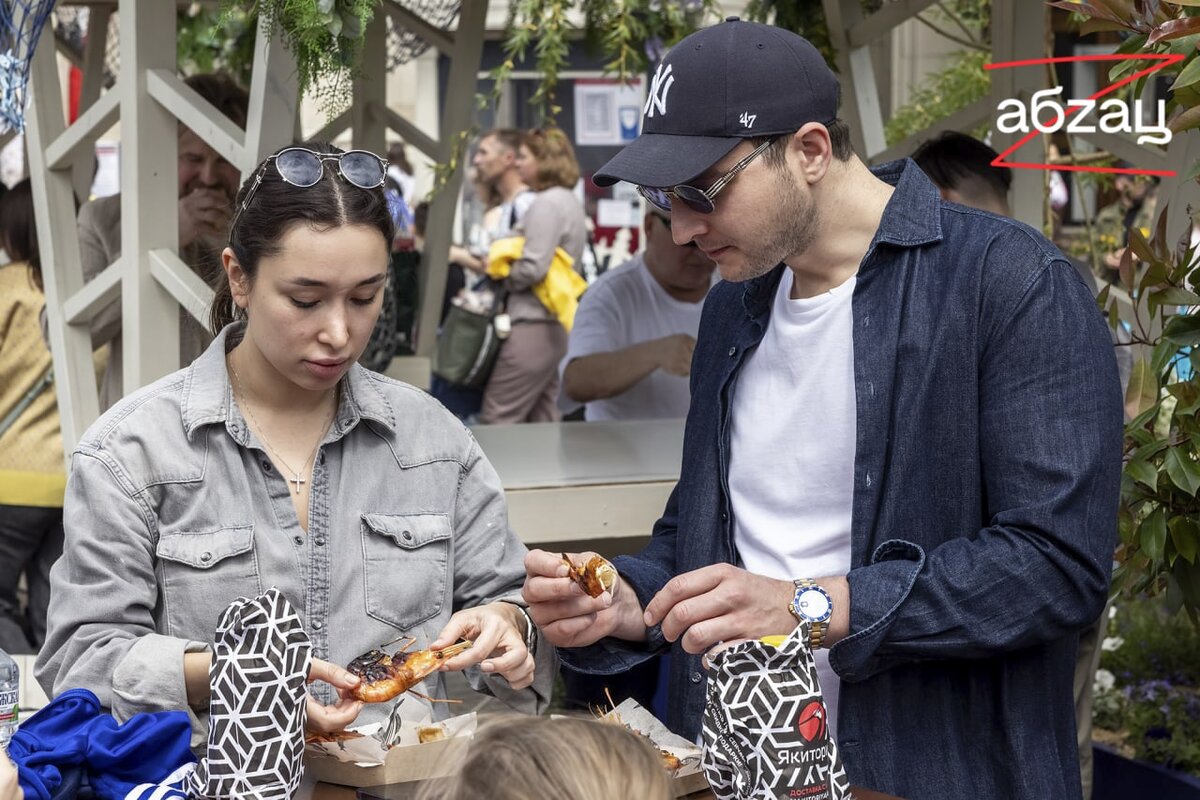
659, 86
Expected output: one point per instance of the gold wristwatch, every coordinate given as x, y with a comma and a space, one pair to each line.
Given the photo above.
813, 605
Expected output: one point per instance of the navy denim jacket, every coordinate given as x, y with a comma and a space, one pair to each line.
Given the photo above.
987, 470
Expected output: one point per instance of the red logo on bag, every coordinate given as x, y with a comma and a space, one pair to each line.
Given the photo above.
812, 721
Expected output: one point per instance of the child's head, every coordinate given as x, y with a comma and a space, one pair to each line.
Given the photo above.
517, 757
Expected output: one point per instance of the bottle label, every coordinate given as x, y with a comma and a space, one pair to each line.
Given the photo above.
9, 706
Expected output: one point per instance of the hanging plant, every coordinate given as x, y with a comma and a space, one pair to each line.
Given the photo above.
324, 36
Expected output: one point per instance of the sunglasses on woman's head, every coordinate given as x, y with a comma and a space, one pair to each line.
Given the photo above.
302, 167
699, 200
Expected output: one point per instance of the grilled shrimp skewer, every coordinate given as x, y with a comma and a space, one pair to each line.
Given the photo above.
386, 676
595, 577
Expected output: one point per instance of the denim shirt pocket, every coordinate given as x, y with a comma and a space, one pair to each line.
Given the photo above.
406, 560
202, 573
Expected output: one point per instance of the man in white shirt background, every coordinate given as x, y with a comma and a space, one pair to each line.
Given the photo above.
630, 350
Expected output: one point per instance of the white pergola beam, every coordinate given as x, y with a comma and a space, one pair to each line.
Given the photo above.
274, 99
81, 307
884, 21
860, 108
186, 105
182, 283
81, 136
961, 120
58, 242
332, 129
1127, 149
149, 195
1017, 27
407, 130
456, 117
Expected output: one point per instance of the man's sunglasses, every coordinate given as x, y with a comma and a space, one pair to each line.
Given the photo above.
302, 167
699, 200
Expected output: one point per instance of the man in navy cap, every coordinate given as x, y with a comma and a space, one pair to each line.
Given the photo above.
905, 430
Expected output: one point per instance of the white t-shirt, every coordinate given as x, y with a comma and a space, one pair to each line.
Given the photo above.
623, 307
792, 444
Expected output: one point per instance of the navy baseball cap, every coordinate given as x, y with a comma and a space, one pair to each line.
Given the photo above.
717, 87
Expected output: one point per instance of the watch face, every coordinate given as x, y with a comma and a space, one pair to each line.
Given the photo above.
813, 605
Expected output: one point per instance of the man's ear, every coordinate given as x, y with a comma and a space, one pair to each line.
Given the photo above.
811, 143
239, 281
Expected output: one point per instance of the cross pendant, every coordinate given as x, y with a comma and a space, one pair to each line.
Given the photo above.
296, 480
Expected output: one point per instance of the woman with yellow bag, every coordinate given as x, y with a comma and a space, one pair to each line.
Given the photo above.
523, 386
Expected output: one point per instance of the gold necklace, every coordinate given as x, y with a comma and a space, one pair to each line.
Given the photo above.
240, 397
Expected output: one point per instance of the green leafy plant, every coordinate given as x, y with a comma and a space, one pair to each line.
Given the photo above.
1159, 517
213, 41
961, 83
324, 36
1152, 27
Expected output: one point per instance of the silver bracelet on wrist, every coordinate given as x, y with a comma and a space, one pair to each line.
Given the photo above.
531, 633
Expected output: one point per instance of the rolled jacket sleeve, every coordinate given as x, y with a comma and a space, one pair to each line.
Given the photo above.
1050, 439
101, 628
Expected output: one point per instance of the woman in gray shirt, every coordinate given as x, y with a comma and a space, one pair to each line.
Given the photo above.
276, 460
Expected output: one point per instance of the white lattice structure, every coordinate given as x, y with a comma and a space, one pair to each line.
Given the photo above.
149, 100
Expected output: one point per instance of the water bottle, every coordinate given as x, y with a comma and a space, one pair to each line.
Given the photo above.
10, 698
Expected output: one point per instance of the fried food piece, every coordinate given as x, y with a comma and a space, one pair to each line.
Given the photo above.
595, 577
431, 733
386, 676
670, 761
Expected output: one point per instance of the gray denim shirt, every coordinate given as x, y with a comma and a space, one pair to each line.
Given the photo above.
173, 510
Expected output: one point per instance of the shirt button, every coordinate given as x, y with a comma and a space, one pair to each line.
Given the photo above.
732, 352
406, 536
266, 465
206, 557
298, 540
320, 540
317, 625
697, 677
724, 517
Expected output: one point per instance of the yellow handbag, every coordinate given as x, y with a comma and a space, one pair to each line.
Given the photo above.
559, 291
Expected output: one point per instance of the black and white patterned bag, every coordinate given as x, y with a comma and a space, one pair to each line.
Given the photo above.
765, 725
261, 659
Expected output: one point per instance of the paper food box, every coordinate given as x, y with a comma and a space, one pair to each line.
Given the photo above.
688, 777
363, 760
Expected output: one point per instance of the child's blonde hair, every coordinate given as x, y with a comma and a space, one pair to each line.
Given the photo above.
516, 757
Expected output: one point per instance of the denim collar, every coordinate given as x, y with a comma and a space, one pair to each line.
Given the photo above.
911, 218
207, 396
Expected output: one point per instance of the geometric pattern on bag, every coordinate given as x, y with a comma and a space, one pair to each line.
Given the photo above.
259, 674
765, 727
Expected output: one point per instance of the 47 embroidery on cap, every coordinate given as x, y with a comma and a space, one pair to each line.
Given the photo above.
747, 119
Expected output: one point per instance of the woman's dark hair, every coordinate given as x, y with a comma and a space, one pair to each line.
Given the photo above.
18, 229
277, 206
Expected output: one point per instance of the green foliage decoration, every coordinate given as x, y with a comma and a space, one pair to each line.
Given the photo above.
324, 36
1159, 515
209, 40
961, 83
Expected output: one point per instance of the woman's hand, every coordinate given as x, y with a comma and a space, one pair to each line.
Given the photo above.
10, 789
498, 633
328, 719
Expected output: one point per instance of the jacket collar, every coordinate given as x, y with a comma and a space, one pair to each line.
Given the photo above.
911, 218
208, 395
